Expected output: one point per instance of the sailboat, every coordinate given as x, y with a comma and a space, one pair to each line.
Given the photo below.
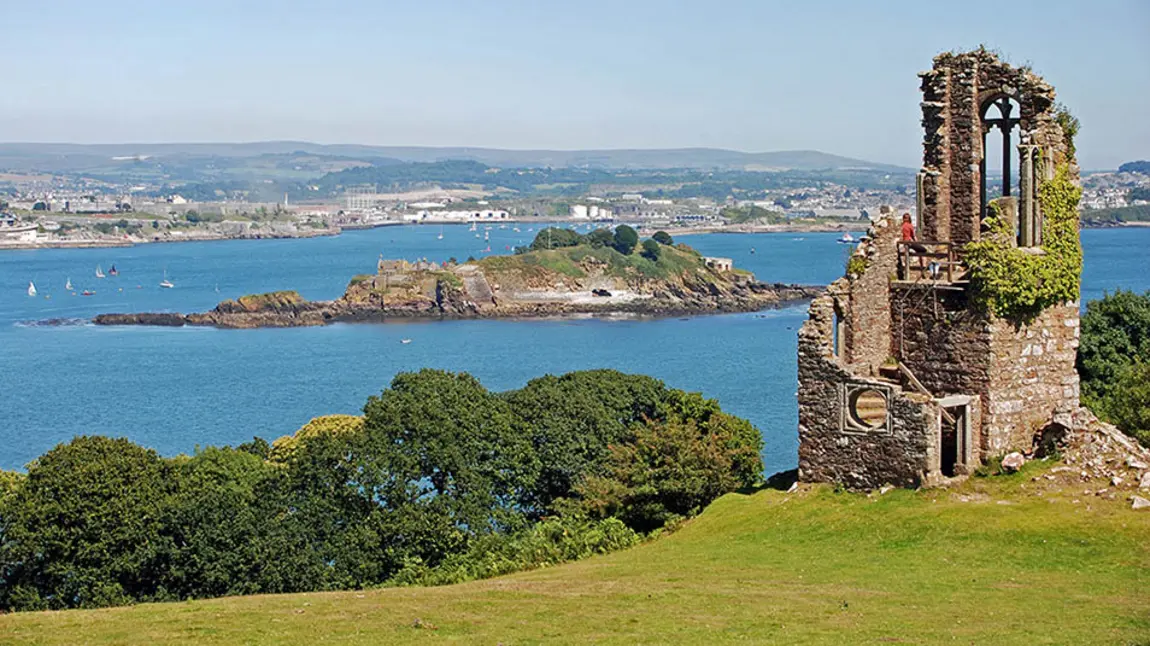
472, 227
99, 272
441, 232
165, 283
31, 288
113, 271
68, 284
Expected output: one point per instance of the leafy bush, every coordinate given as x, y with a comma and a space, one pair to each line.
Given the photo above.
1113, 360
555, 237
548, 542
600, 238
651, 249
675, 467
625, 240
664, 238
85, 527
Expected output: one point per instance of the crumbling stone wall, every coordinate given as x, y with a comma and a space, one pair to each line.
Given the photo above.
864, 299
1022, 374
956, 92
899, 455
1030, 377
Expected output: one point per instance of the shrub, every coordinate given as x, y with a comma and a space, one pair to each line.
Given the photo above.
625, 239
1114, 361
84, 529
555, 237
651, 250
600, 238
548, 542
663, 238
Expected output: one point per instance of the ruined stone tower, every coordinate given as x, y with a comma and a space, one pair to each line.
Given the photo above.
908, 374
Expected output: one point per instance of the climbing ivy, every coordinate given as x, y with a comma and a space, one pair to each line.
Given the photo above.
1017, 284
856, 265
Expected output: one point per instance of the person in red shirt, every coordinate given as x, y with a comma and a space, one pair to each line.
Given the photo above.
908, 234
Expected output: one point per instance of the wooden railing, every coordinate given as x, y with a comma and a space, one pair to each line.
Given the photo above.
922, 260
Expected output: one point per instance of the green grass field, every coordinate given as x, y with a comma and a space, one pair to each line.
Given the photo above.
991, 562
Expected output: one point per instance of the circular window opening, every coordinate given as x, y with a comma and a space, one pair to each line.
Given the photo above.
868, 408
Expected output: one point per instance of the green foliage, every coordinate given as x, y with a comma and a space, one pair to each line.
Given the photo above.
85, 528
439, 481
1128, 405
651, 249
1113, 360
283, 450
1070, 126
549, 542
556, 237
1017, 284
856, 265
625, 239
600, 238
662, 237
675, 467
573, 419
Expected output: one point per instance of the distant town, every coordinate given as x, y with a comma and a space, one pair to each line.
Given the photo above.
125, 200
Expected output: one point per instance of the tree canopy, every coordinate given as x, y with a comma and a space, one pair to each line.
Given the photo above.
440, 480
1114, 360
626, 238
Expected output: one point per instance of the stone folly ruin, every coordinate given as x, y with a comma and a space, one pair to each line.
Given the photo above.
908, 374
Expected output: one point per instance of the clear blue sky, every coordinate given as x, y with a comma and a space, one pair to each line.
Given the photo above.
748, 75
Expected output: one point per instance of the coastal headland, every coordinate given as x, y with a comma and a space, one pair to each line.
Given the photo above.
581, 279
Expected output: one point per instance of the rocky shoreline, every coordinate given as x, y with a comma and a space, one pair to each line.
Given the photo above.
586, 281
231, 315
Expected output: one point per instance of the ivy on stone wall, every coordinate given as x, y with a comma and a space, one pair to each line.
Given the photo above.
1017, 284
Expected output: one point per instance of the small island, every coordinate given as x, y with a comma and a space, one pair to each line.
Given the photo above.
561, 273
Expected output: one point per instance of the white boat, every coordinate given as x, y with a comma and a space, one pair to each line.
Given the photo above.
99, 272
441, 232
405, 341
165, 283
847, 238
472, 227
68, 285
31, 288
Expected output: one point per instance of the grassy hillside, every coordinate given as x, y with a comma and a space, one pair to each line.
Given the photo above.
672, 261
993, 561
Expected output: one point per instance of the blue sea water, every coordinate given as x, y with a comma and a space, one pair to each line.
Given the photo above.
173, 389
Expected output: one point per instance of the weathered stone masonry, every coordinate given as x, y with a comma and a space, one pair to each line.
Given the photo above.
902, 378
